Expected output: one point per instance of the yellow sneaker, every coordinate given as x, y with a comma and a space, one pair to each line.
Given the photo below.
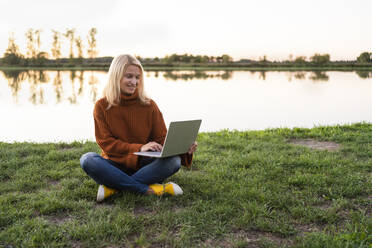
168, 188
104, 192
173, 189
157, 188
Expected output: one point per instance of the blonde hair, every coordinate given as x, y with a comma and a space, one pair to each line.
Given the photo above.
117, 69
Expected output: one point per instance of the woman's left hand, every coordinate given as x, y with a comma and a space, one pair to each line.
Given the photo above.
193, 147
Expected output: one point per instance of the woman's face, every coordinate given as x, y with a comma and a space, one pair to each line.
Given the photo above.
130, 80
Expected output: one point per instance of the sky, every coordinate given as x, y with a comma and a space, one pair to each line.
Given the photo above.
241, 28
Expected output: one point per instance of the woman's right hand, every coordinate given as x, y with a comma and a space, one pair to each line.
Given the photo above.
151, 146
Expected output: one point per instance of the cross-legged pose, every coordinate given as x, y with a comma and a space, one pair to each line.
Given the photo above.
127, 121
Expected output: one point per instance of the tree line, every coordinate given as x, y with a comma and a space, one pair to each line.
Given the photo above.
226, 59
189, 58
316, 60
35, 56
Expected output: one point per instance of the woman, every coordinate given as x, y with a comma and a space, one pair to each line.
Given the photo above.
127, 121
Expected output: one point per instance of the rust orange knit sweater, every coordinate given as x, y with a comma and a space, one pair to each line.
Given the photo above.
125, 128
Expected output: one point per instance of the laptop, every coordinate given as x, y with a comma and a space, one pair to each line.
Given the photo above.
180, 136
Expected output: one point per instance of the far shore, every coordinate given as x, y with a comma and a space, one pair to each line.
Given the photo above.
196, 68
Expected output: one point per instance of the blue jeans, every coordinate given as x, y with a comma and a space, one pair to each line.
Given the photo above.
106, 172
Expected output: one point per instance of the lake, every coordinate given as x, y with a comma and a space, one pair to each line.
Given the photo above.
53, 106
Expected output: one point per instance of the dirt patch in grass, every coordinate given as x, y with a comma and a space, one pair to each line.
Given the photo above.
142, 211
194, 168
178, 209
256, 236
107, 205
315, 144
53, 182
59, 220
76, 244
307, 228
248, 239
67, 149
324, 206
220, 243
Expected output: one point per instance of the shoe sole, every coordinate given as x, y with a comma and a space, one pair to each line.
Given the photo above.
177, 189
100, 194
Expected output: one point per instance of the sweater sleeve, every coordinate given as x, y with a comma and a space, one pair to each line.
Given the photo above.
186, 159
108, 143
159, 130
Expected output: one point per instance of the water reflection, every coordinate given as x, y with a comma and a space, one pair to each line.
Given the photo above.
38, 80
70, 86
319, 76
57, 106
57, 82
190, 75
315, 76
364, 74
262, 75
93, 81
14, 78
299, 75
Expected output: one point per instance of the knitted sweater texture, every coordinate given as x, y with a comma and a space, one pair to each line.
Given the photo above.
123, 129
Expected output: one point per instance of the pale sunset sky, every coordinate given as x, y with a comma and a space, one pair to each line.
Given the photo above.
242, 29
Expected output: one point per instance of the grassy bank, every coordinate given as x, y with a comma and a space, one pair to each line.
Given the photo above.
273, 188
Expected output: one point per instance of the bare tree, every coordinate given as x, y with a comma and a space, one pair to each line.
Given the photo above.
92, 43
31, 51
12, 55
56, 47
37, 40
70, 35
79, 46
34, 46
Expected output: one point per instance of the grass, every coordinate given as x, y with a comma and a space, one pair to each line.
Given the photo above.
245, 189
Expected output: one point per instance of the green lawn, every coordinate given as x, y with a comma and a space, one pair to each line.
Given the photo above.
245, 189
